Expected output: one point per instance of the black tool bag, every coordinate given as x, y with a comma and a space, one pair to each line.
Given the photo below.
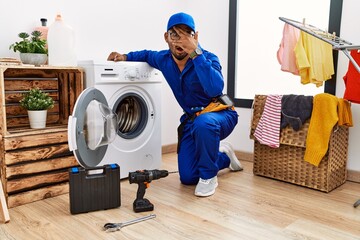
93, 189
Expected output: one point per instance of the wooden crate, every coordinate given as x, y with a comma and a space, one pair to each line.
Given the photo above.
34, 162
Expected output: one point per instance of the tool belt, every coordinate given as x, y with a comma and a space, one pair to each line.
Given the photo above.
216, 105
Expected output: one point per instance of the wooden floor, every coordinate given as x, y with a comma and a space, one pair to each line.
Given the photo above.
244, 207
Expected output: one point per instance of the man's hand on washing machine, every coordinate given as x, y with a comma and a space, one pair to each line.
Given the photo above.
116, 57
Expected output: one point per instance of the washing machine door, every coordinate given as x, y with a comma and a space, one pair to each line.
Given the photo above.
91, 128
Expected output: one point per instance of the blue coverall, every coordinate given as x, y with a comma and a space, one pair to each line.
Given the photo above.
200, 81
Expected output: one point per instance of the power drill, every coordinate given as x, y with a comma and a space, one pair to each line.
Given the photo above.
143, 179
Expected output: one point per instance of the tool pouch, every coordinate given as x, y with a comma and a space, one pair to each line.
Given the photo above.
218, 104
221, 103
213, 107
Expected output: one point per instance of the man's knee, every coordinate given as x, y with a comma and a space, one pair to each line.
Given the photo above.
188, 179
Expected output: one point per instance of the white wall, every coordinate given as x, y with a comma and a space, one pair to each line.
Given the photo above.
121, 25
125, 25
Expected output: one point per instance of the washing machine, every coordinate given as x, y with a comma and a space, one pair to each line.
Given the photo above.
117, 118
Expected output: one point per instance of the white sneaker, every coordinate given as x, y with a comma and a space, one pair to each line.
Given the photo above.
206, 187
235, 164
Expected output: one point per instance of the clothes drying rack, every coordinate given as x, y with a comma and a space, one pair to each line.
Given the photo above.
336, 42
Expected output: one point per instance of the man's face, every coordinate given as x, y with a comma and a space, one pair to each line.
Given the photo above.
174, 36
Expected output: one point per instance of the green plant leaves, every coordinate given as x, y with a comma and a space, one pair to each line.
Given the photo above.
34, 45
36, 99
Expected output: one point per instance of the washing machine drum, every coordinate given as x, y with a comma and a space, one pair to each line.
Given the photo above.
91, 128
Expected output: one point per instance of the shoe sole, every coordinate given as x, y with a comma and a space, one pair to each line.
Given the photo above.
233, 156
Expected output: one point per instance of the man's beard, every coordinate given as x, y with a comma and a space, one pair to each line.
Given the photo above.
179, 57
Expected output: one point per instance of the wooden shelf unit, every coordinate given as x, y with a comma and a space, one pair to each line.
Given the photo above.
34, 162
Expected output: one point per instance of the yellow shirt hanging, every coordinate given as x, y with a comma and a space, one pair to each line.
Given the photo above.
314, 59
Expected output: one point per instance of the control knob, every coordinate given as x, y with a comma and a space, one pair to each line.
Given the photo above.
131, 75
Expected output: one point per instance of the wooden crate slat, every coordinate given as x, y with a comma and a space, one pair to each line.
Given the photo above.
64, 96
39, 153
16, 110
15, 97
2, 99
23, 132
16, 185
23, 141
79, 85
38, 194
29, 73
41, 166
26, 84
2, 165
23, 121
72, 87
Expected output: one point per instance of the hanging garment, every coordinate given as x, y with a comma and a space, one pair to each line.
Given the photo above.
268, 129
344, 112
285, 54
327, 111
323, 118
352, 80
295, 110
314, 59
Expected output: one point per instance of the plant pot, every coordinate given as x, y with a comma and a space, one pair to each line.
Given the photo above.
36, 59
37, 118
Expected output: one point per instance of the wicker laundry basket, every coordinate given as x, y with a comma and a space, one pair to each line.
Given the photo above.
287, 162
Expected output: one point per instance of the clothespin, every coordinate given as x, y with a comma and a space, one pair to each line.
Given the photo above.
304, 21
334, 35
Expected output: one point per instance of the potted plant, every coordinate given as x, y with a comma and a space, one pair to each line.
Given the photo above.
33, 50
37, 102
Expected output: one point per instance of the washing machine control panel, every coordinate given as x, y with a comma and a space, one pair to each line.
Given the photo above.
112, 72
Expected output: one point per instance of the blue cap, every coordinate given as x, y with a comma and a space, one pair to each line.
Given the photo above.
181, 18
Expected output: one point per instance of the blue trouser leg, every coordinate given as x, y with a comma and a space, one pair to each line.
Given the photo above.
199, 155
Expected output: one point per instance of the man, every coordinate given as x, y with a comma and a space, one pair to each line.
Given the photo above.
195, 77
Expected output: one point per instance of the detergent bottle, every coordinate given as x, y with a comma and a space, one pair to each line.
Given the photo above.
43, 28
61, 44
